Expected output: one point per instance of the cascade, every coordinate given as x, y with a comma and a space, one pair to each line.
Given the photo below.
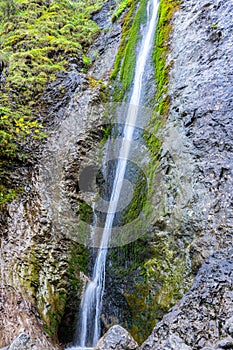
88, 329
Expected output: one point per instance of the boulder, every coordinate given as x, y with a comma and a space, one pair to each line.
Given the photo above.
175, 343
117, 338
22, 342
229, 326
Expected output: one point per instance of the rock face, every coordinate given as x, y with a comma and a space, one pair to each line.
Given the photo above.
201, 109
22, 342
117, 338
41, 282
196, 172
200, 317
41, 254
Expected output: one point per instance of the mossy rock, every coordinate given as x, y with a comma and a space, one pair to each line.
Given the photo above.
38, 38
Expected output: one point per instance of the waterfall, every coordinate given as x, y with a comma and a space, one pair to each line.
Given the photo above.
88, 331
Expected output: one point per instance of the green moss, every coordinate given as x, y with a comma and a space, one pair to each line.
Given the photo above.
144, 312
153, 275
121, 7
163, 285
78, 262
167, 9
138, 201
7, 195
125, 62
37, 40
168, 271
162, 271
85, 212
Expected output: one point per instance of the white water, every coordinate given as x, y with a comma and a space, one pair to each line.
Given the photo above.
91, 305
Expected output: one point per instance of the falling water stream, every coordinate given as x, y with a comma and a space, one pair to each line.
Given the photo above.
88, 331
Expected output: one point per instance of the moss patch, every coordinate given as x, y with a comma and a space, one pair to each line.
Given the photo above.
38, 39
158, 277
167, 9
125, 62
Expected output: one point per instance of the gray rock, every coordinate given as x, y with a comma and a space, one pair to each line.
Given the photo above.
116, 338
196, 318
200, 92
174, 343
22, 342
46, 273
229, 326
226, 343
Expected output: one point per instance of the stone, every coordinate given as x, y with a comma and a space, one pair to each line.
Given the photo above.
226, 343
21, 342
229, 326
117, 338
175, 343
210, 298
30, 258
200, 115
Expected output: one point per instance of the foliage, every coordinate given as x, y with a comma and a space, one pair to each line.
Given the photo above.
7, 8
14, 130
38, 38
121, 7
6, 195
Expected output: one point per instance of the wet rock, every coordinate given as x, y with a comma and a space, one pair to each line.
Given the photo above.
55, 99
201, 105
40, 259
193, 195
104, 50
117, 338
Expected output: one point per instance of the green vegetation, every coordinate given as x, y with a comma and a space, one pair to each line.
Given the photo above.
85, 212
132, 211
124, 67
38, 38
162, 273
121, 7
167, 9
168, 271
160, 113
144, 312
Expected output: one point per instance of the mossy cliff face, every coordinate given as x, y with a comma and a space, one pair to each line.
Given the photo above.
43, 264
190, 171
195, 174
38, 39
42, 267
147, 277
